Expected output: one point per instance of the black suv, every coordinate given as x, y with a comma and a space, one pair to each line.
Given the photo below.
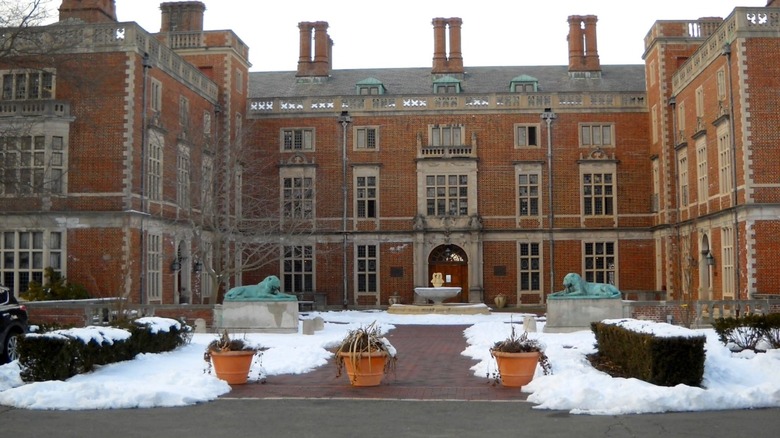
13, 322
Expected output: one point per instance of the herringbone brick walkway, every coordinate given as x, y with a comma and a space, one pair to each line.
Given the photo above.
430, 367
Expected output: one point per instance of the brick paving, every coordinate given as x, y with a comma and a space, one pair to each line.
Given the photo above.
430, 367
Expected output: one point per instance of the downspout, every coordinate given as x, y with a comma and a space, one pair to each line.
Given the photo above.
734, 197
146, 63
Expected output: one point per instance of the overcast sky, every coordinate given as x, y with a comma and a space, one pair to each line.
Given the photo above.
398, 33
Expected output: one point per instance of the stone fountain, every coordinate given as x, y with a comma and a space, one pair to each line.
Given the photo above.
438, 294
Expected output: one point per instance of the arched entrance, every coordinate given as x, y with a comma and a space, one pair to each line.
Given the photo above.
453, 264
182, 275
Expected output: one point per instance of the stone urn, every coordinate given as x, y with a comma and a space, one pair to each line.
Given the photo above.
500, 301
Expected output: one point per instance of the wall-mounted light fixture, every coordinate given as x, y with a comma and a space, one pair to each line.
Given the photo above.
197, 266
177, 263
710, 259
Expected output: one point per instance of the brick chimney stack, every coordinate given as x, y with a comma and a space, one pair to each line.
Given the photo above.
583, 52
89, 11
182, 16
444, 63
322, 61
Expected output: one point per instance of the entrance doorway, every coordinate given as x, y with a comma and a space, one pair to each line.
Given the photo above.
453, 264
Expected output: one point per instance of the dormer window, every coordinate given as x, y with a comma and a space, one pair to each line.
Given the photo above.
524, 84
446, 85
370, 87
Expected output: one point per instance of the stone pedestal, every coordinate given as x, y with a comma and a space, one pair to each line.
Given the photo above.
566, 315
257, 316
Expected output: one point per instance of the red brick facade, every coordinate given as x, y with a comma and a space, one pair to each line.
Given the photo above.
446, 169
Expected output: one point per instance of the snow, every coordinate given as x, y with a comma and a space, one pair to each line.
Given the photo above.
177, 378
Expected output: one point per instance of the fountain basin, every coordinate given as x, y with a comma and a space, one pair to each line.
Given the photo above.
437, 294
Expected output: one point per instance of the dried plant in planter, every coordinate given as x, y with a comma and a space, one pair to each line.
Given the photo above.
224, 344
521, 344
362, 341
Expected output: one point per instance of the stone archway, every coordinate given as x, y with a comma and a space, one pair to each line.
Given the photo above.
452, 262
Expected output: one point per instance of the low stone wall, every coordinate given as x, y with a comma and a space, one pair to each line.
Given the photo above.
697, 313
80, 313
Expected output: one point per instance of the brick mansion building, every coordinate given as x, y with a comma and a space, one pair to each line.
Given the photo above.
158, 167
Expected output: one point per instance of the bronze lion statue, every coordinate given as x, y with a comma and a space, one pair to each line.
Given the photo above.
268, 289
575, 287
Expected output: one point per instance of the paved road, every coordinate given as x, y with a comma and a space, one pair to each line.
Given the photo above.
386, 418
417, 402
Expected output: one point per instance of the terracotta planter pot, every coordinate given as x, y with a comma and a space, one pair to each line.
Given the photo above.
516, 369
232, 366
369, 369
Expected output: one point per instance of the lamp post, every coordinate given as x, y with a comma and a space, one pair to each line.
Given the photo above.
345, 119
548, 116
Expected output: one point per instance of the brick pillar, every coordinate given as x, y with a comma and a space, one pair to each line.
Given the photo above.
322, 43
182, 16
89, 11
304, 59
591, 50
455, 57
439, 45
575, 39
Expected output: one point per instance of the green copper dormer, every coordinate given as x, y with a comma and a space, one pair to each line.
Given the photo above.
446, 85
524, 84
370, 86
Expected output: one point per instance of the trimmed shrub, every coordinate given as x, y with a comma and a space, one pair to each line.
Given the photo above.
664, 361
61, 354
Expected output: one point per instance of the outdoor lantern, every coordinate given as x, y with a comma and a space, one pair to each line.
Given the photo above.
710, 259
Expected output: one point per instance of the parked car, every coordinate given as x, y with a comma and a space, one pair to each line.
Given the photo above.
13, 322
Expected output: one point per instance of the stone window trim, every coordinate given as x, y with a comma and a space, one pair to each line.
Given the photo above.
26, 253
183, 176
156, 96
529, 266
597, 135
446, 135
367, 265
154, 267
366, 192
28, 84
682, 170
600, 261
297, 139
702, 171
297, 194
154, 166
34, 163
725, 176
447, 195
365, 138
598, 188
298, 268
527, 135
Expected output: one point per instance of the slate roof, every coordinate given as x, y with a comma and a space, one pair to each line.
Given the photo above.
477, 80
